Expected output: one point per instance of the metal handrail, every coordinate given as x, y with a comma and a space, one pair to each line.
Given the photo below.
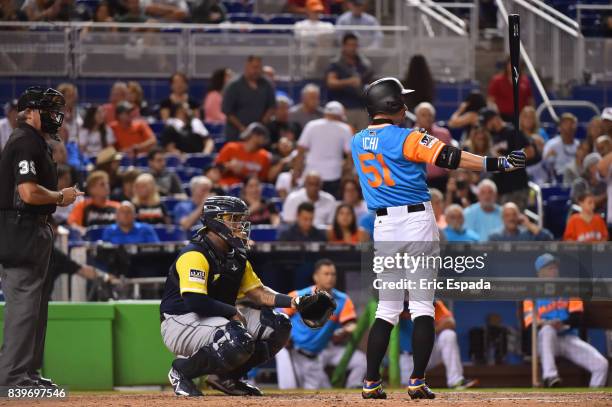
441, 8
534, 75
426, 9
553, 11
569, 103
573, 32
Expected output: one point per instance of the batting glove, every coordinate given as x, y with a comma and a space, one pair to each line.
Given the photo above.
514, 161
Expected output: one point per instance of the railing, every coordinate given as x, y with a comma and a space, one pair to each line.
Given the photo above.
597, 51
447, 41
157, 50
568, 103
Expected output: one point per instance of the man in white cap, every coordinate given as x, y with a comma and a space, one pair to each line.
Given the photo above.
325, 144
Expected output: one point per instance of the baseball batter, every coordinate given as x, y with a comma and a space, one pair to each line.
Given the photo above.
200, 321
390, 162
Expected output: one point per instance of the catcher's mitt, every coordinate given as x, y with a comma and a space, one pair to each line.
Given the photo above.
315, 309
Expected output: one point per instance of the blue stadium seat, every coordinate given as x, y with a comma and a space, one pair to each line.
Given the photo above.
238, 7
170, 202
199, 161
173, 161
126, 161
142, 161
157, 127
268, 191
246, 18
94, 233
235, 190
555, 191
264, 233
278, 203
556, 209
214, 129
187, 188
170, 233
285, 19
186, 173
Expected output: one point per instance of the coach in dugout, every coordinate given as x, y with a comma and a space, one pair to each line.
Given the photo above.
28, 197
311, 351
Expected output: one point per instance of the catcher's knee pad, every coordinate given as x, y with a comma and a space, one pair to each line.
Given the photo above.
232, 346
420, 308
389, 311
275, 329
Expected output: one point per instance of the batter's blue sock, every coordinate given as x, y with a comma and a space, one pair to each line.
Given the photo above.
378, 340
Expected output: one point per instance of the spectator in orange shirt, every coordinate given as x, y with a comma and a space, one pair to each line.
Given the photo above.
96, 208
500, 92
245, 158
345, 229
586, 226
132, 136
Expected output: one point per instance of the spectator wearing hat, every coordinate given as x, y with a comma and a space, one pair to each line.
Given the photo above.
241, 159
323, 202
455, 231
9, 122
346, 78
356, 16
603, 145
518, 227
281, 125
312, 27
512, 186
606, 121
560, 151
589, 181
247, 99
132, 136
309, 107
109, 160
126, 230
425, 119
325, 144
558, 321
500, 92
586, 226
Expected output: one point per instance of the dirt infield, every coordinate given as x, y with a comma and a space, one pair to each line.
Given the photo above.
329, 399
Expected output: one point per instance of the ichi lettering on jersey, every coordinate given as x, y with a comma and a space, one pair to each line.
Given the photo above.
391, 164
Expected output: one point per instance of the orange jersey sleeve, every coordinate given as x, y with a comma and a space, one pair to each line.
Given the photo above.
76, 214
226, 153
575, 305
147, 132
348, 312
290, 311
422, 147
527, 312
441, 312
570, 232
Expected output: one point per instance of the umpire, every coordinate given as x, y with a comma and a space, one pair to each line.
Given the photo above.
28, 197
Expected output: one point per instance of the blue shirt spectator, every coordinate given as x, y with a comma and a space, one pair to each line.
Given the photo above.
518, 227
484, 217
357, 16
126, 231
186, 214
455, 231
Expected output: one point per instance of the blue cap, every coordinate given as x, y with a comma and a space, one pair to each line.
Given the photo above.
544, 260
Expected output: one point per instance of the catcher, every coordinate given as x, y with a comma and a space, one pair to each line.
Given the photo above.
202, 324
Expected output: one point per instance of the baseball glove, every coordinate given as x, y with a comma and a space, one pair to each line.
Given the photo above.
315, 309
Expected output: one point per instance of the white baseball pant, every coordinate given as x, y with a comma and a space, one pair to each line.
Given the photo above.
571, 347
446, 351
295, 370
417, 234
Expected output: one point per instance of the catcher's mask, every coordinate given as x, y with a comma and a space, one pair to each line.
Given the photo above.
50, 103
227, 217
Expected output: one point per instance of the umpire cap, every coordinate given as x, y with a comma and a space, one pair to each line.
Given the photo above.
385, 95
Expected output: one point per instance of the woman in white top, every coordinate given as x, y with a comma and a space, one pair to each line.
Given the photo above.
94, 134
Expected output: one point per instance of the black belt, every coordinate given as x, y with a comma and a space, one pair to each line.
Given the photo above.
411, 208
307, 354
19, 215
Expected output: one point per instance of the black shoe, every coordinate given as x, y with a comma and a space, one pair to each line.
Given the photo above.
373, 391
29, 383
233, 387
43, 381
418, 389
182, 386
554, 381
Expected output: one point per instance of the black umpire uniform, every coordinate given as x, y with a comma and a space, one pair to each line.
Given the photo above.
26, 239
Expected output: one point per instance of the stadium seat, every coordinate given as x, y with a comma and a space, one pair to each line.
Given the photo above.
199, 161
285, 19
268, 191
170, 233
555, 191
278, 203
94, 233
556, 209
173, 161
264, 233
170, 202
157, 127
235, 190
142, 161
126, 161
186, 173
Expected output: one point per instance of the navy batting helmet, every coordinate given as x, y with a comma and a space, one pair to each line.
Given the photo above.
227, 217
385, 95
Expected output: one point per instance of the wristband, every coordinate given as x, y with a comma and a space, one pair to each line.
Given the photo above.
282, 301
60, 199
493, 164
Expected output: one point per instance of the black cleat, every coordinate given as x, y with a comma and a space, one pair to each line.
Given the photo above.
233, 387
418, 389
554, 381
43, 381
182, 386
373, 391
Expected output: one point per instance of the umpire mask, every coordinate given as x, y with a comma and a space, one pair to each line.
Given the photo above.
51, 111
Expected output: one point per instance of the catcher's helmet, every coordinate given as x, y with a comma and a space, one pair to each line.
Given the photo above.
49, 102
385, 95
227, 217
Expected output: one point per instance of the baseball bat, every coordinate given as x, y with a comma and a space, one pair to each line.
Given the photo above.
514, 39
